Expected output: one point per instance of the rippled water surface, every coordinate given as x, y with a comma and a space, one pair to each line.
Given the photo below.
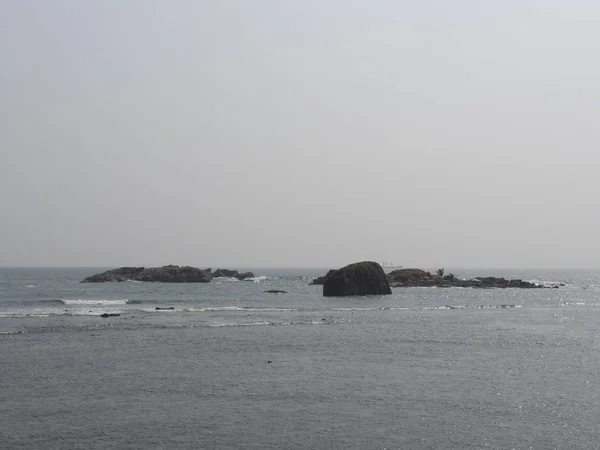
234, 367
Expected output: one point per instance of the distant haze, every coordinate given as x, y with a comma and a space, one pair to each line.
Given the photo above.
300, 133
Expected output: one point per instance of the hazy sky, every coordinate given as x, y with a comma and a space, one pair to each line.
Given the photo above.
300, 133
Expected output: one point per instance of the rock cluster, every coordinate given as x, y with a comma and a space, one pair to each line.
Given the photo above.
421, 278
164, 274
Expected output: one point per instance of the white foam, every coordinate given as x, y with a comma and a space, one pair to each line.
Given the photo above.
252, 324
97, 302
356, 309
237, 308
256, 279
23, 314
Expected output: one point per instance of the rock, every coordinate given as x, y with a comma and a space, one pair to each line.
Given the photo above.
167, 308
120, 274
362, 278
411, 277
321, 280
110, 315
165, 274
275, 291
243, 276
421, 278
224, 273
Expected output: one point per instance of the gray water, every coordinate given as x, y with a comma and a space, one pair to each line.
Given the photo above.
234, 367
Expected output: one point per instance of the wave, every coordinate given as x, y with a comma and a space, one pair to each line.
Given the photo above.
95, 307
233, 279
258, 279
252, 324
550, 283
448, 307
237, 308
10, 315
96, 302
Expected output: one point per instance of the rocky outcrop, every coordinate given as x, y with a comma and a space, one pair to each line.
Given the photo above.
165, 274
244, 275
120, 274
321, 280
412, 277
362, 278
421, 278
226, 273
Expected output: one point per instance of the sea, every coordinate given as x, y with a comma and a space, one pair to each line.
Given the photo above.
234, 367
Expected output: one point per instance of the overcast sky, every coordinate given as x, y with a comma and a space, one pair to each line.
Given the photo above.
300, 133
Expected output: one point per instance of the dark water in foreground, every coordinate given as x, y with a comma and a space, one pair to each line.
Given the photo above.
422, 368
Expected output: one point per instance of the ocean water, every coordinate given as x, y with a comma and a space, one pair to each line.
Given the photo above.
234, 367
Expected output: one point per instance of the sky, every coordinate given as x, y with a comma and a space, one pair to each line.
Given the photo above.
279, 133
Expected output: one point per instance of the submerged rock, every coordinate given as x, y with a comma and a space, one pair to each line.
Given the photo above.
165, 274
362, 278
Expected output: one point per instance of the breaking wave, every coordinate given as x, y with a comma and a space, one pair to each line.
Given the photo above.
252, 324
236, 308
96, 302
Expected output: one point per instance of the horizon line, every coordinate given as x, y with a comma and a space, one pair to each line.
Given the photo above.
425, 266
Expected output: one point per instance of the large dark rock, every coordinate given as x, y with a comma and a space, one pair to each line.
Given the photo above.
321, 280
165, 274
362, 278
421, 278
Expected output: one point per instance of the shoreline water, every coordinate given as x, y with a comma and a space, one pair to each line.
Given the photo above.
439, 378
421, 368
